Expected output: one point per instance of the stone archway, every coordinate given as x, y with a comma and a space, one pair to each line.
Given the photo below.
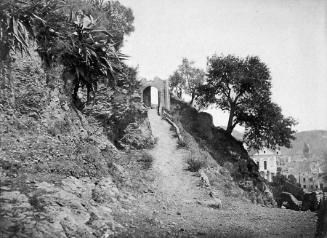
163, 93
151, 97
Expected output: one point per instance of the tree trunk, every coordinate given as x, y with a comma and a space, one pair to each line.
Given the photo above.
230, 121
193, 97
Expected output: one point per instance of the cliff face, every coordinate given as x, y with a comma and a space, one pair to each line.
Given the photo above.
225, 149
60, 169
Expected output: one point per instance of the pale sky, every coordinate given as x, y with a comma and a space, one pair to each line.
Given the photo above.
290, 36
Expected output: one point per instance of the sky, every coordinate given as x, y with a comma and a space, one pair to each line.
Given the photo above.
290, 36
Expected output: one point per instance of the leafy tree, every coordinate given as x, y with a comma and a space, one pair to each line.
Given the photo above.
118, 20
194, 82
242, 87
111, 16
177, 84
186, 78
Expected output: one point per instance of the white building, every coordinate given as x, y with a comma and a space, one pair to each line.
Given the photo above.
267, 163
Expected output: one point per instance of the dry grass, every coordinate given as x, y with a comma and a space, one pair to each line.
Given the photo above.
146, 159
181, 144
195, 164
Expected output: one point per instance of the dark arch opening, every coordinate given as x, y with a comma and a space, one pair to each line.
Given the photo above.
151, 97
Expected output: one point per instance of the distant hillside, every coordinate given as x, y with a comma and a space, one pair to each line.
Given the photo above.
316, 139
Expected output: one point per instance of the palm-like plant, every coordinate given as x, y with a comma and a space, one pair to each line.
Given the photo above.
16, 27
85, 51
91, 58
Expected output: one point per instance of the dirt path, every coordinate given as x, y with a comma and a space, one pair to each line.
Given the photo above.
172, 179
172, 209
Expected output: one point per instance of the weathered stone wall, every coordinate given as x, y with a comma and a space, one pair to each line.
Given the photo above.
163, 91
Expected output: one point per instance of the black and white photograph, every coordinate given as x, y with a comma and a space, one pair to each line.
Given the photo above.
163, 118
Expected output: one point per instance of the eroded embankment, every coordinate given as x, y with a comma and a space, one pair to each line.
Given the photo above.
178, 206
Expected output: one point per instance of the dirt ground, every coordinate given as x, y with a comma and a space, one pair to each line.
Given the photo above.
176, 206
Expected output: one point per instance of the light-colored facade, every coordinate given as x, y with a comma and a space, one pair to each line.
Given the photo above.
267, 163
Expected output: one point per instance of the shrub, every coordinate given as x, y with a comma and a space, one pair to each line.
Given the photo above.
36, 203
195, 164
146, 159
181, 144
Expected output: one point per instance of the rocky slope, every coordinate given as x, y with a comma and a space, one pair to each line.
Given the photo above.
181, 203
225, 150
60, 172
96, 172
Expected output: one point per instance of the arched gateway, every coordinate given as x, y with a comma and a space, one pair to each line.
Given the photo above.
163, 93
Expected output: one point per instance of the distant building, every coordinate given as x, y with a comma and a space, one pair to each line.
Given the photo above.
267, 163
312, 178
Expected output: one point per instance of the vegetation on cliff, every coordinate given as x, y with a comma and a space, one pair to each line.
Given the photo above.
225, 150
243, 88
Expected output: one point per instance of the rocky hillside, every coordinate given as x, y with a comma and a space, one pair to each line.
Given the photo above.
61, 173
97, 171
225, 150
316, 139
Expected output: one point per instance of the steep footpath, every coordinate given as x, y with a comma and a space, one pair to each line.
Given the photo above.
178, 204
172, 179
61, 174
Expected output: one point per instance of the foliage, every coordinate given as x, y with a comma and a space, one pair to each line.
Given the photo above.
86, 51
268, 128
16, 25
181, 144
177, 84
195, 164
111, 16
146, 159
117, 19
66, 33
186, 79
291, 178
279, 179
242, 87
16, 28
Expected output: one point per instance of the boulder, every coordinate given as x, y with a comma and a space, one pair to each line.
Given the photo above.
214, 203
204, 179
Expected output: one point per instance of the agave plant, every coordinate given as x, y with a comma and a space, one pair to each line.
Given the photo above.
16, 27
86, 51
90, 56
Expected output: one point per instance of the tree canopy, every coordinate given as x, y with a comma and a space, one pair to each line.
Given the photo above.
84, 36
243, 88
186, 79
